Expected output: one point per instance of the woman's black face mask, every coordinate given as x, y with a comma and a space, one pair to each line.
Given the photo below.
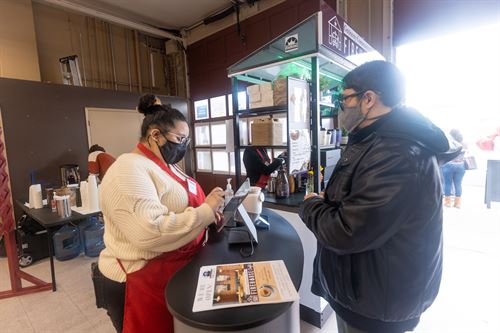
173, 152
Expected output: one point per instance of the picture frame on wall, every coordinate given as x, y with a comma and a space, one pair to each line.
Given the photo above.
201, 109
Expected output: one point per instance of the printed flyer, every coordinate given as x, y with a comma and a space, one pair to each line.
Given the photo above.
241, 284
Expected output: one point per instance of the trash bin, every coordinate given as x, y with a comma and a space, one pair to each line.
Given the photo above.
492, 187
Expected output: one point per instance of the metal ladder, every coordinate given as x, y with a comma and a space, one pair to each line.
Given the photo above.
70, 70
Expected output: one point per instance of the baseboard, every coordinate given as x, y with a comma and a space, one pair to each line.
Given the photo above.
312, 317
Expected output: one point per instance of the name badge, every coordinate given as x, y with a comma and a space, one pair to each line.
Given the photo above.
192, 187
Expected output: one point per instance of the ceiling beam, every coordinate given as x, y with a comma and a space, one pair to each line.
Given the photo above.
150, 30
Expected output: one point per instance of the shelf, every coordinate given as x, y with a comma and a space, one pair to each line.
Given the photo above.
328, 147
270, 146
267, 110
330, 105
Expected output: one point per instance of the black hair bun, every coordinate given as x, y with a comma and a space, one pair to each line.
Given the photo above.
147, 105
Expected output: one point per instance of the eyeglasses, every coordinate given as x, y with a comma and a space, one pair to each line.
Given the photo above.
340, 100
183, 140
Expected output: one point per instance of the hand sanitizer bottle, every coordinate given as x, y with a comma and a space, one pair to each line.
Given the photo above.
228, 193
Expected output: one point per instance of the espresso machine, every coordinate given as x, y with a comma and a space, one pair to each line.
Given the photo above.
70, 174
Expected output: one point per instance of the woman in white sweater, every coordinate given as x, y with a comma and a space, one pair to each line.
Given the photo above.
155, 218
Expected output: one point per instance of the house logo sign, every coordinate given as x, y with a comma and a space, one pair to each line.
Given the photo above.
292, 43
335, 33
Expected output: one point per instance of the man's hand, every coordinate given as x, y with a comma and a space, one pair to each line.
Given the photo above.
310, 195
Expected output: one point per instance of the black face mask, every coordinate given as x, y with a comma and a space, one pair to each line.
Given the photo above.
173, 152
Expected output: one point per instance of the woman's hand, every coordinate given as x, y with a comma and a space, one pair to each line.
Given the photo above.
215, 199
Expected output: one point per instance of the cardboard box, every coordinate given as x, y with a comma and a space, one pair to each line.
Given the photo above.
255, 89
260, 100
267, 132
280, 94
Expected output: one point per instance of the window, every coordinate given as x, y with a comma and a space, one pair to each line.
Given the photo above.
203, 160
211, 133
220, 161
201, 109
218, 106
232, 170
218, 131
202, 134
242, 102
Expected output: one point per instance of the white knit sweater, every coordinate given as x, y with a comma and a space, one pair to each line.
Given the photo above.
145, 213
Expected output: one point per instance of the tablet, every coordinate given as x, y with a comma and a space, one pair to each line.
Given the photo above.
233, 204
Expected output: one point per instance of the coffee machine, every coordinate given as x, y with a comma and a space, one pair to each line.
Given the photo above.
70, 174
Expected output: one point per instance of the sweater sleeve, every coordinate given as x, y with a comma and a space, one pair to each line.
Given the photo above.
131, 202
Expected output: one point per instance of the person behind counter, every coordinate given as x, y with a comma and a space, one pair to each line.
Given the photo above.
99, 161
379, 222
258, 165
155, 218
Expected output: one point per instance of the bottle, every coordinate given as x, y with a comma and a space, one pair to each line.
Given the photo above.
93, 238
66, 243
282, 187
291, 183
53, 203
310, 182
339, 137
228, 193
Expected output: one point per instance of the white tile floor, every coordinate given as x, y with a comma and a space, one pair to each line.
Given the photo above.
469, 300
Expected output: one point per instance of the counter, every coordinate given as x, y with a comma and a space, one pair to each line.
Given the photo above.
281, 242
313, 309
290, 204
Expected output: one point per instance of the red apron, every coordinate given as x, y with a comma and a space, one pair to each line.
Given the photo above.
145, 307
262, 181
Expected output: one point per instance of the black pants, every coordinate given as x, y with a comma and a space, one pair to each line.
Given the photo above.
344, 327
114, 296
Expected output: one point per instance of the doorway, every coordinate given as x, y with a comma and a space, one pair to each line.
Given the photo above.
117, 130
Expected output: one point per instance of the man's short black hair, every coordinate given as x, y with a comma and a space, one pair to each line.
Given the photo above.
382, 77
96, 148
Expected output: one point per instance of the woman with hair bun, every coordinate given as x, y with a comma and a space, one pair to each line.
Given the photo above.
155, 219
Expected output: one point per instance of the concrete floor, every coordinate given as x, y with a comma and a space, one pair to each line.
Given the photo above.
469, 300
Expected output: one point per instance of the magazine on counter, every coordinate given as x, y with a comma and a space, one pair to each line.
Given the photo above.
241, 284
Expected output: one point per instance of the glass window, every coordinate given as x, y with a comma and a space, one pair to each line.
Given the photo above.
218, 106
203, 160
282, 120
232, 166
218, 131
221, 161
201, 109
230, 104
242, 100
243, 132
202, 134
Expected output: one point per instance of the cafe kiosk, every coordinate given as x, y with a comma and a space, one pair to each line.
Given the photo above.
315, 54
323, 48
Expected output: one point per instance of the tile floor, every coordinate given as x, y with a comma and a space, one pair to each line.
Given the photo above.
469, 300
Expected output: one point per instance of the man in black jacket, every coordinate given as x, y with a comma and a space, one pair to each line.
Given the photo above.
379, 221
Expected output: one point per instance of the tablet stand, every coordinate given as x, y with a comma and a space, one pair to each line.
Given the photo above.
245, 234
261, 223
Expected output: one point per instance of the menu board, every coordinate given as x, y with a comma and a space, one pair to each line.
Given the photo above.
299, 131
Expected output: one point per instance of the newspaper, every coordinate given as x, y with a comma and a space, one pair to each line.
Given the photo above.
241, 284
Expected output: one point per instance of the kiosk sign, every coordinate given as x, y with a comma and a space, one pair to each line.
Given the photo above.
340, 37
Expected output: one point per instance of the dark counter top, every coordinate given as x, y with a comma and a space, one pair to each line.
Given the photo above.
290, 204
281, 242
49, 219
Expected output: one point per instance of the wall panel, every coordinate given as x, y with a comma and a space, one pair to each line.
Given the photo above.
44, 126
